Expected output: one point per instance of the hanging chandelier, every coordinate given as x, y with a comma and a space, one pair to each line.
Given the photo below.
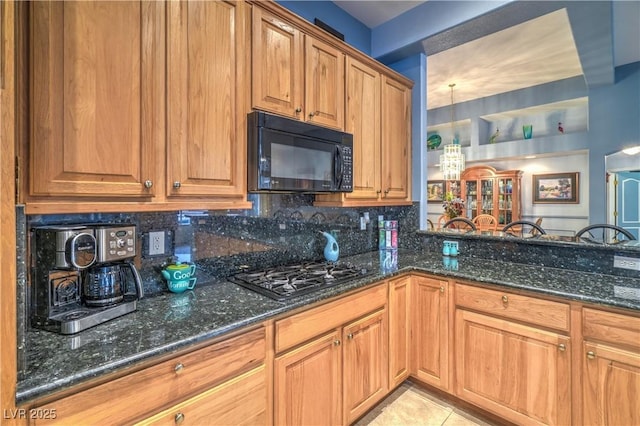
452, 161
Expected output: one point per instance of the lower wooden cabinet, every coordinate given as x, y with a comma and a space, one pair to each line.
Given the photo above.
520, 373
307, 383
399, 330
610, 368
365, 378
202, 377
240, 401
430, 330
337, 375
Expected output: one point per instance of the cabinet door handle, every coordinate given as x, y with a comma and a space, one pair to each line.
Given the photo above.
311, 115
591, 355
179, 418
379, 191
336, 342
387, 191
505, 299
178, 368
562, 347
177, 184
148, 183
350, 336
298, 110
441, 289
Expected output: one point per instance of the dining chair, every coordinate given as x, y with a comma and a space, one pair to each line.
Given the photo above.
485, 222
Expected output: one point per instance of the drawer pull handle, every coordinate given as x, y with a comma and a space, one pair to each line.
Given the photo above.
178, 368
179, 418
350, 336
562, 347
505, 299
591, 355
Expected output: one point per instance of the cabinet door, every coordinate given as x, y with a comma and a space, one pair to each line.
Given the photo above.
363, 121
430, 330
96, 94
399, 330
518, 372
308, 383
239, 401
324, 84
396, 139
206, 83
365, 370
278, 65
611, 386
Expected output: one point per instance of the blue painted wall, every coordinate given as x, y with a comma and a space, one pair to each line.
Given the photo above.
614, 124
355, 32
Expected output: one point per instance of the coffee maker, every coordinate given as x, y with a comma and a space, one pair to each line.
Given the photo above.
81, 276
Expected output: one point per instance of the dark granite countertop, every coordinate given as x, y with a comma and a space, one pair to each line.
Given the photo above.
171, 322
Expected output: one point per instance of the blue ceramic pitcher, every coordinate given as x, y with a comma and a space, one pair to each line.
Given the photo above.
331, 249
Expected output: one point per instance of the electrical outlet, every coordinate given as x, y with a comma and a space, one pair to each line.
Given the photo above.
156, 243
623, 262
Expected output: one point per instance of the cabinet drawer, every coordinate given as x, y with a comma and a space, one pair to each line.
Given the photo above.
523, 308
239, 401
301, 327
609, 327
137, 394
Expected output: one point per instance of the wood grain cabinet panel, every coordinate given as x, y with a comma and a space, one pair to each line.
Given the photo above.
520, 373
93, 98
278, 65
139, 394
240, 401
610, 368
295, 74
206, 87
396, 140
400, 343
307, 383
529, 309
365, 372
430, 330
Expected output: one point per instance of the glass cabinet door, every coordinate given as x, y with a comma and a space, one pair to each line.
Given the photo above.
505, 201
486, 186
471, 203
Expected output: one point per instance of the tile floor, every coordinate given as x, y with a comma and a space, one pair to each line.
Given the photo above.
410, 405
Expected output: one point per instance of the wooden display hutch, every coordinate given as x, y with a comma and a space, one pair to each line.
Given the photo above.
488, 191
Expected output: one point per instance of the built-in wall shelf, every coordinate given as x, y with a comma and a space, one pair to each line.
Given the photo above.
461, 128
571, 115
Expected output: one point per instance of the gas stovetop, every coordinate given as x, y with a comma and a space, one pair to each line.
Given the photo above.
285, 282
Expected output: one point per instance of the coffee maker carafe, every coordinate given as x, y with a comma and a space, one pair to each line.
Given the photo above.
82, 275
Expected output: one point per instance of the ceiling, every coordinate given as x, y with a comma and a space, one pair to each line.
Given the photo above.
514, 58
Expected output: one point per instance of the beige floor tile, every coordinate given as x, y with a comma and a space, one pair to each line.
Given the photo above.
410, 405
406, 407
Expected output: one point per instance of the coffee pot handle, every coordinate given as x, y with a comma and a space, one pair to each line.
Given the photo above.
137, 280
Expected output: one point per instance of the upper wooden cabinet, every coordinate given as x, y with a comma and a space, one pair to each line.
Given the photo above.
206, 86
109, 124
295, 74
378, 111
489, 191
94, 99
396, 140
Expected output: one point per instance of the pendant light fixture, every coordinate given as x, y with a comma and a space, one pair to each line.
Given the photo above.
452, 161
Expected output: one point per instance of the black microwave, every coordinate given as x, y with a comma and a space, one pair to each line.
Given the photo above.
292, 156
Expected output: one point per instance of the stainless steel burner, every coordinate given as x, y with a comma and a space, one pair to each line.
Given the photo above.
284, 282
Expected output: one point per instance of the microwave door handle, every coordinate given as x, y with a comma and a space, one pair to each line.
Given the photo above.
338, 168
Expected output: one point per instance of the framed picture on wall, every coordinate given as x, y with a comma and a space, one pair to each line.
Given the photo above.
556, 188
435, 190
